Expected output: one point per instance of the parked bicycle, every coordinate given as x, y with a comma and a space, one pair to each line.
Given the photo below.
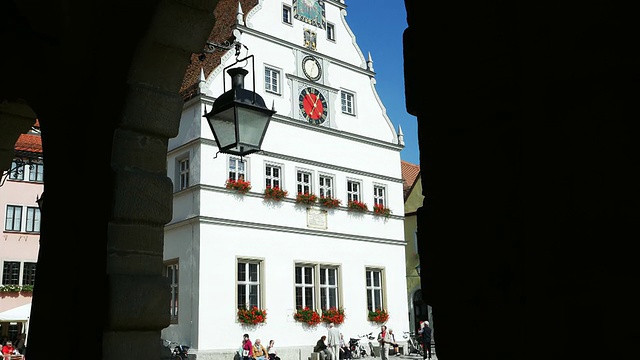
414, 345
358, 350
178, 351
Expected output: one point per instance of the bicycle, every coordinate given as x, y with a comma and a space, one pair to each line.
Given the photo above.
178, 352
414, 345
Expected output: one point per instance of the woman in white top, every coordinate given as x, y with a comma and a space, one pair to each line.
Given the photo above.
271, 350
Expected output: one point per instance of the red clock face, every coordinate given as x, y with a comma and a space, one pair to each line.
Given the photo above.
313, 105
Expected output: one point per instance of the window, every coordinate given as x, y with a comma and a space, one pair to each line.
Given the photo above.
318, 295
378, 195
303, 182
237, 169
346, 99
325, 186
29, 273
271, 80
249, 284
331, 32
286, 14
272, 175
184, 173
36, 172
304, 287
11, 273
328, 288
353, 191
33, 219
13, 218
171, 271
374, 289
17, 171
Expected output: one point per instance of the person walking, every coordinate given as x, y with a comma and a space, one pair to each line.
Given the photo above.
383, 340
333, 340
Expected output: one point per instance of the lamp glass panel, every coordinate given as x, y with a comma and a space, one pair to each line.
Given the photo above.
252, 125
223, 125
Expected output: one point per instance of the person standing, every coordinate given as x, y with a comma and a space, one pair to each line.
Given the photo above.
383, 340
425, 334
333, 339
247, 348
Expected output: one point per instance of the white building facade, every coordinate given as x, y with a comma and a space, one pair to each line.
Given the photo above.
224, 250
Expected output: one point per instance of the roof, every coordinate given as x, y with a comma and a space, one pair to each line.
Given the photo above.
29, 143
410, 173
225, 14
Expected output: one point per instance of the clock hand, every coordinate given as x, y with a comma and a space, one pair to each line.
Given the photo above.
315, 104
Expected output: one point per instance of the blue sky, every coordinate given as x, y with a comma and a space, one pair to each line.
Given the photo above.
378, 27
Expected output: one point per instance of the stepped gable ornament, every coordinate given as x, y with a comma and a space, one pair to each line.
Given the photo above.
310, 38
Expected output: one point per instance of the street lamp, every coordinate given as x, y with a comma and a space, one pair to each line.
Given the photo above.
239, 118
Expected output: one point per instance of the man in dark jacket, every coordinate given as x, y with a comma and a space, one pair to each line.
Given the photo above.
321, 347
425, 334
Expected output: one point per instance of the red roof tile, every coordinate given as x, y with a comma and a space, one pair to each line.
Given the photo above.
410, 173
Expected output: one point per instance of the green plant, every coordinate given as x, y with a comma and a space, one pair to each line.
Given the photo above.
378, 315
274, 193
306, 198
307, 316
380, 210
329, 202
355, 205
239, 185
10, 288
252, 316
333, 315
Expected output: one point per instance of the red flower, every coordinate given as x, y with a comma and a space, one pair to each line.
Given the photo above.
379, 209
355, 205
252, 316
307, 316
378, 315
239, 185
329, 202
274, 193
306, 198
333, 315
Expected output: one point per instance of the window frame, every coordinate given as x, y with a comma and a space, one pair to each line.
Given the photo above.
348, 96
323, 189
36, 172
319, 290
29, 273
278, 81
270, 179
380, 198
184, 174
259, 283
11, 272
370, 288
16, 172
287, 9
33, 218
351, 193
171, 270
13, 209
301, 185
331, 32
236, 173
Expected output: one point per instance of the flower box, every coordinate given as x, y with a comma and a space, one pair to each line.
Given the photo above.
378, 316
239, 185
252, 316
380, 210
355, 205
306, 198
274, 193
333, 315
329, 202
307, 316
